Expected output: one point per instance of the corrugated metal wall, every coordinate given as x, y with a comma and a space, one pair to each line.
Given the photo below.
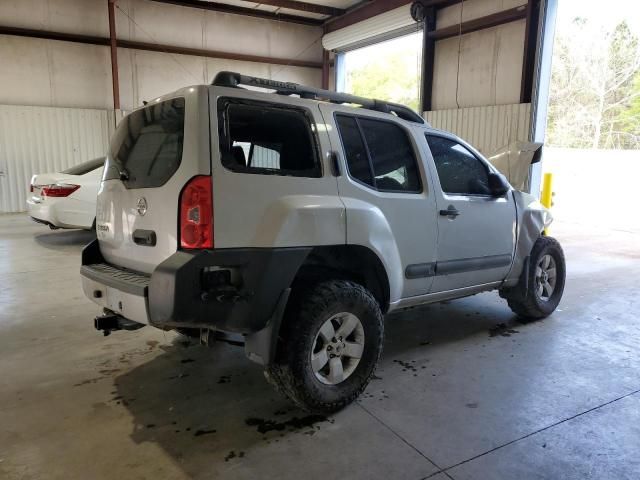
486, 128
46, 139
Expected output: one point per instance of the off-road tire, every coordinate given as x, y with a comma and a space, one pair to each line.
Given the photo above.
523, 299
292, 373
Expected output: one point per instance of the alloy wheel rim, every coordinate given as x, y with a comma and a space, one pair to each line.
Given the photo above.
546, 275
337, 348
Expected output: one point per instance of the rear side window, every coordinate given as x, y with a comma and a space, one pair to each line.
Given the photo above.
354, 150
379, 154
262, 138
146, 149
459, 170
85, 167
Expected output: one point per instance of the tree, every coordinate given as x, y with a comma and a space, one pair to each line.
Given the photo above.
594, 86
392, 77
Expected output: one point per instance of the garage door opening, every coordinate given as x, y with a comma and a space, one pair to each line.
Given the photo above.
388, 70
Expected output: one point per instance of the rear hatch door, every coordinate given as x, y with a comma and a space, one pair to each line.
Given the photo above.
152, 155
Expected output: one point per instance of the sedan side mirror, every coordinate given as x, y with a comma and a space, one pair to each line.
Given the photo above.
498, 184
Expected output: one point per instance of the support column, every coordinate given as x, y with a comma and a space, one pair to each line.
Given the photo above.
114, 54
428, 54
325, 69
530, 48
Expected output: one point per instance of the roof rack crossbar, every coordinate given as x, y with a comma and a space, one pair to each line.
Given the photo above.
232, 79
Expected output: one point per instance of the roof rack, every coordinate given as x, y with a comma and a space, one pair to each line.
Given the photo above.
232, 79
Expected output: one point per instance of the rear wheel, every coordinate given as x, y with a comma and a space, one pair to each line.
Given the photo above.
329, 347
539, 291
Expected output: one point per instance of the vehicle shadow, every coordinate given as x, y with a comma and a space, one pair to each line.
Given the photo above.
208, 408
60, 240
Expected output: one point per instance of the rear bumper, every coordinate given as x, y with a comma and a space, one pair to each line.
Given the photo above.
60, 212
234, 290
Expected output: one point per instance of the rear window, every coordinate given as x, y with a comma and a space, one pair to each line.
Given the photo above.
262, 138
85, 167
146, 149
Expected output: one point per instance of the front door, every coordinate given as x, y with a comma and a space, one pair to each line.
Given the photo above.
390, 206
476, 230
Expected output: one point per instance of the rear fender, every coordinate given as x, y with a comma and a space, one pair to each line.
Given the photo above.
302, 220
367, 226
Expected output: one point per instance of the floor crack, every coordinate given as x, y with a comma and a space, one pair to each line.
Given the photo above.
406, 442
445, 470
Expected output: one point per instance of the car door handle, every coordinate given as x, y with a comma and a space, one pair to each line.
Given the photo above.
450, 212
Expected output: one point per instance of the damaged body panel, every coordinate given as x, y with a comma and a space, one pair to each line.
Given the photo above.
532, 219
514, 162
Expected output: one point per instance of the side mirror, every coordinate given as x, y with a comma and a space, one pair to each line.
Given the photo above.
498, 184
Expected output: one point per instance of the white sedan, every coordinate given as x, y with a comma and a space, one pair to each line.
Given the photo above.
66, 199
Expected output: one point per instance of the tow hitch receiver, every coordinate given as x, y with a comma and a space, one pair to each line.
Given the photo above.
109, 321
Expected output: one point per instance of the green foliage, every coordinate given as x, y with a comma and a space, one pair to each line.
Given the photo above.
630, 116
393, 77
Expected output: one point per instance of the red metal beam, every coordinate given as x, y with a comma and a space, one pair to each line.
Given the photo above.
251, 12
363, 12
493, 20
153, 47
302, 6
199, 52
371, 8
48, 35
113, 46
438, 4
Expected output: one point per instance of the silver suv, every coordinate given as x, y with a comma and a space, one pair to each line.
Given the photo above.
292, 221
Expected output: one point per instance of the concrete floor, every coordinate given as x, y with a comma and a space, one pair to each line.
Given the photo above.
463, 391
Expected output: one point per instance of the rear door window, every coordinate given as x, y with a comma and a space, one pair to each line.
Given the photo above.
146, 149
379, 154
262, 138
354, 149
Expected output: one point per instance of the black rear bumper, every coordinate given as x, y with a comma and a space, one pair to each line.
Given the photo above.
235, 290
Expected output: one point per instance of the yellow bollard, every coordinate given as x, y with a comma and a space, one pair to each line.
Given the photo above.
546, 196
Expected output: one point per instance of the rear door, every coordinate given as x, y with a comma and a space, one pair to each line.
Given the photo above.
272, 182
384, 186
476, 230
152, 155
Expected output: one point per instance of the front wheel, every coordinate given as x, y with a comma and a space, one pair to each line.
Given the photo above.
540, 289
330, 344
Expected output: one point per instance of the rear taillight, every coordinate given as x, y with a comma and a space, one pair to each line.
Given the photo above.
59, 190
196, 213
